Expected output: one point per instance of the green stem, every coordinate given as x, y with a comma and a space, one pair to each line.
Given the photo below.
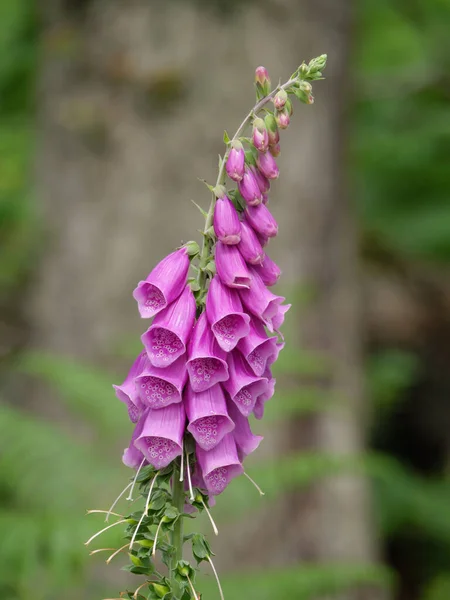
207, 242
178, 497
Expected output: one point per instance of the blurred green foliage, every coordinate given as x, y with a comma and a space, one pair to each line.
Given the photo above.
401, 140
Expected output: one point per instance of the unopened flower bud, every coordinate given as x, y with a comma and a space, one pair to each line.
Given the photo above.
272, 129
275, 150
227, 226
249, 188
263, 182
192, 248
318, 64
310, 99
303, 70
236, 161
280, 99
305, 86
283, 119
260, 135
262, 81
267, 165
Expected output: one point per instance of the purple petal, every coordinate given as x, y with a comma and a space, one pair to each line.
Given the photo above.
246, 441
265, 396
158, 388
227, 226
249, 188
249, 246
263, 182
235, 165
219, 465
127, 391
132, 456
208, 417
262, 220
231, 267
207, 361
268, 271
243, 386
259, 349
262, 303
163, 285
166, 339
161, 438
224, 311
267, 165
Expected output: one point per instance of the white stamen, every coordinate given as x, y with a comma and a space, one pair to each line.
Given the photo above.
255, 484
182, 466
107, 512
156, 537
135, 595
116, 501
144, 512
130, 495
222, 597
108, 560
192, 588
105, 529
191, 491
99, 550
214, 526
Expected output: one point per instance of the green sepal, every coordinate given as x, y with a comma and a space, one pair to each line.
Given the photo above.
237, 200
200, 548
226, 137
251, 155
211, 267
161, 591
136, 570
137, 562
203, 212
210, 187
194, 285
146, 473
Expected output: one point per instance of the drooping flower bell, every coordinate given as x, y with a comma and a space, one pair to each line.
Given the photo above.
219, 465
207, 360
268, 271
267, 165
227, 226
249, 246
164, 284
208, 416
166, 338
225, 314
262, 220
231, 267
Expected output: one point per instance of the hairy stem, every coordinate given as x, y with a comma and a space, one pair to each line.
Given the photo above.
206, 246
177, 533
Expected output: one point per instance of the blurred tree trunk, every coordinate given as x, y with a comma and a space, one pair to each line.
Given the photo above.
133, 102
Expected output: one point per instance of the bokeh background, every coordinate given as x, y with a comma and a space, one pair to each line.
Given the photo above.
109, 112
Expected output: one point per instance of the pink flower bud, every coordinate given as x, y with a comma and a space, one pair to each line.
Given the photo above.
263, 182
262, 76
249, 189
260, 135
267, 165
275, 150
282, 118
227, 226
236, 161
280, 99
262, 220
272, 129
249, 246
